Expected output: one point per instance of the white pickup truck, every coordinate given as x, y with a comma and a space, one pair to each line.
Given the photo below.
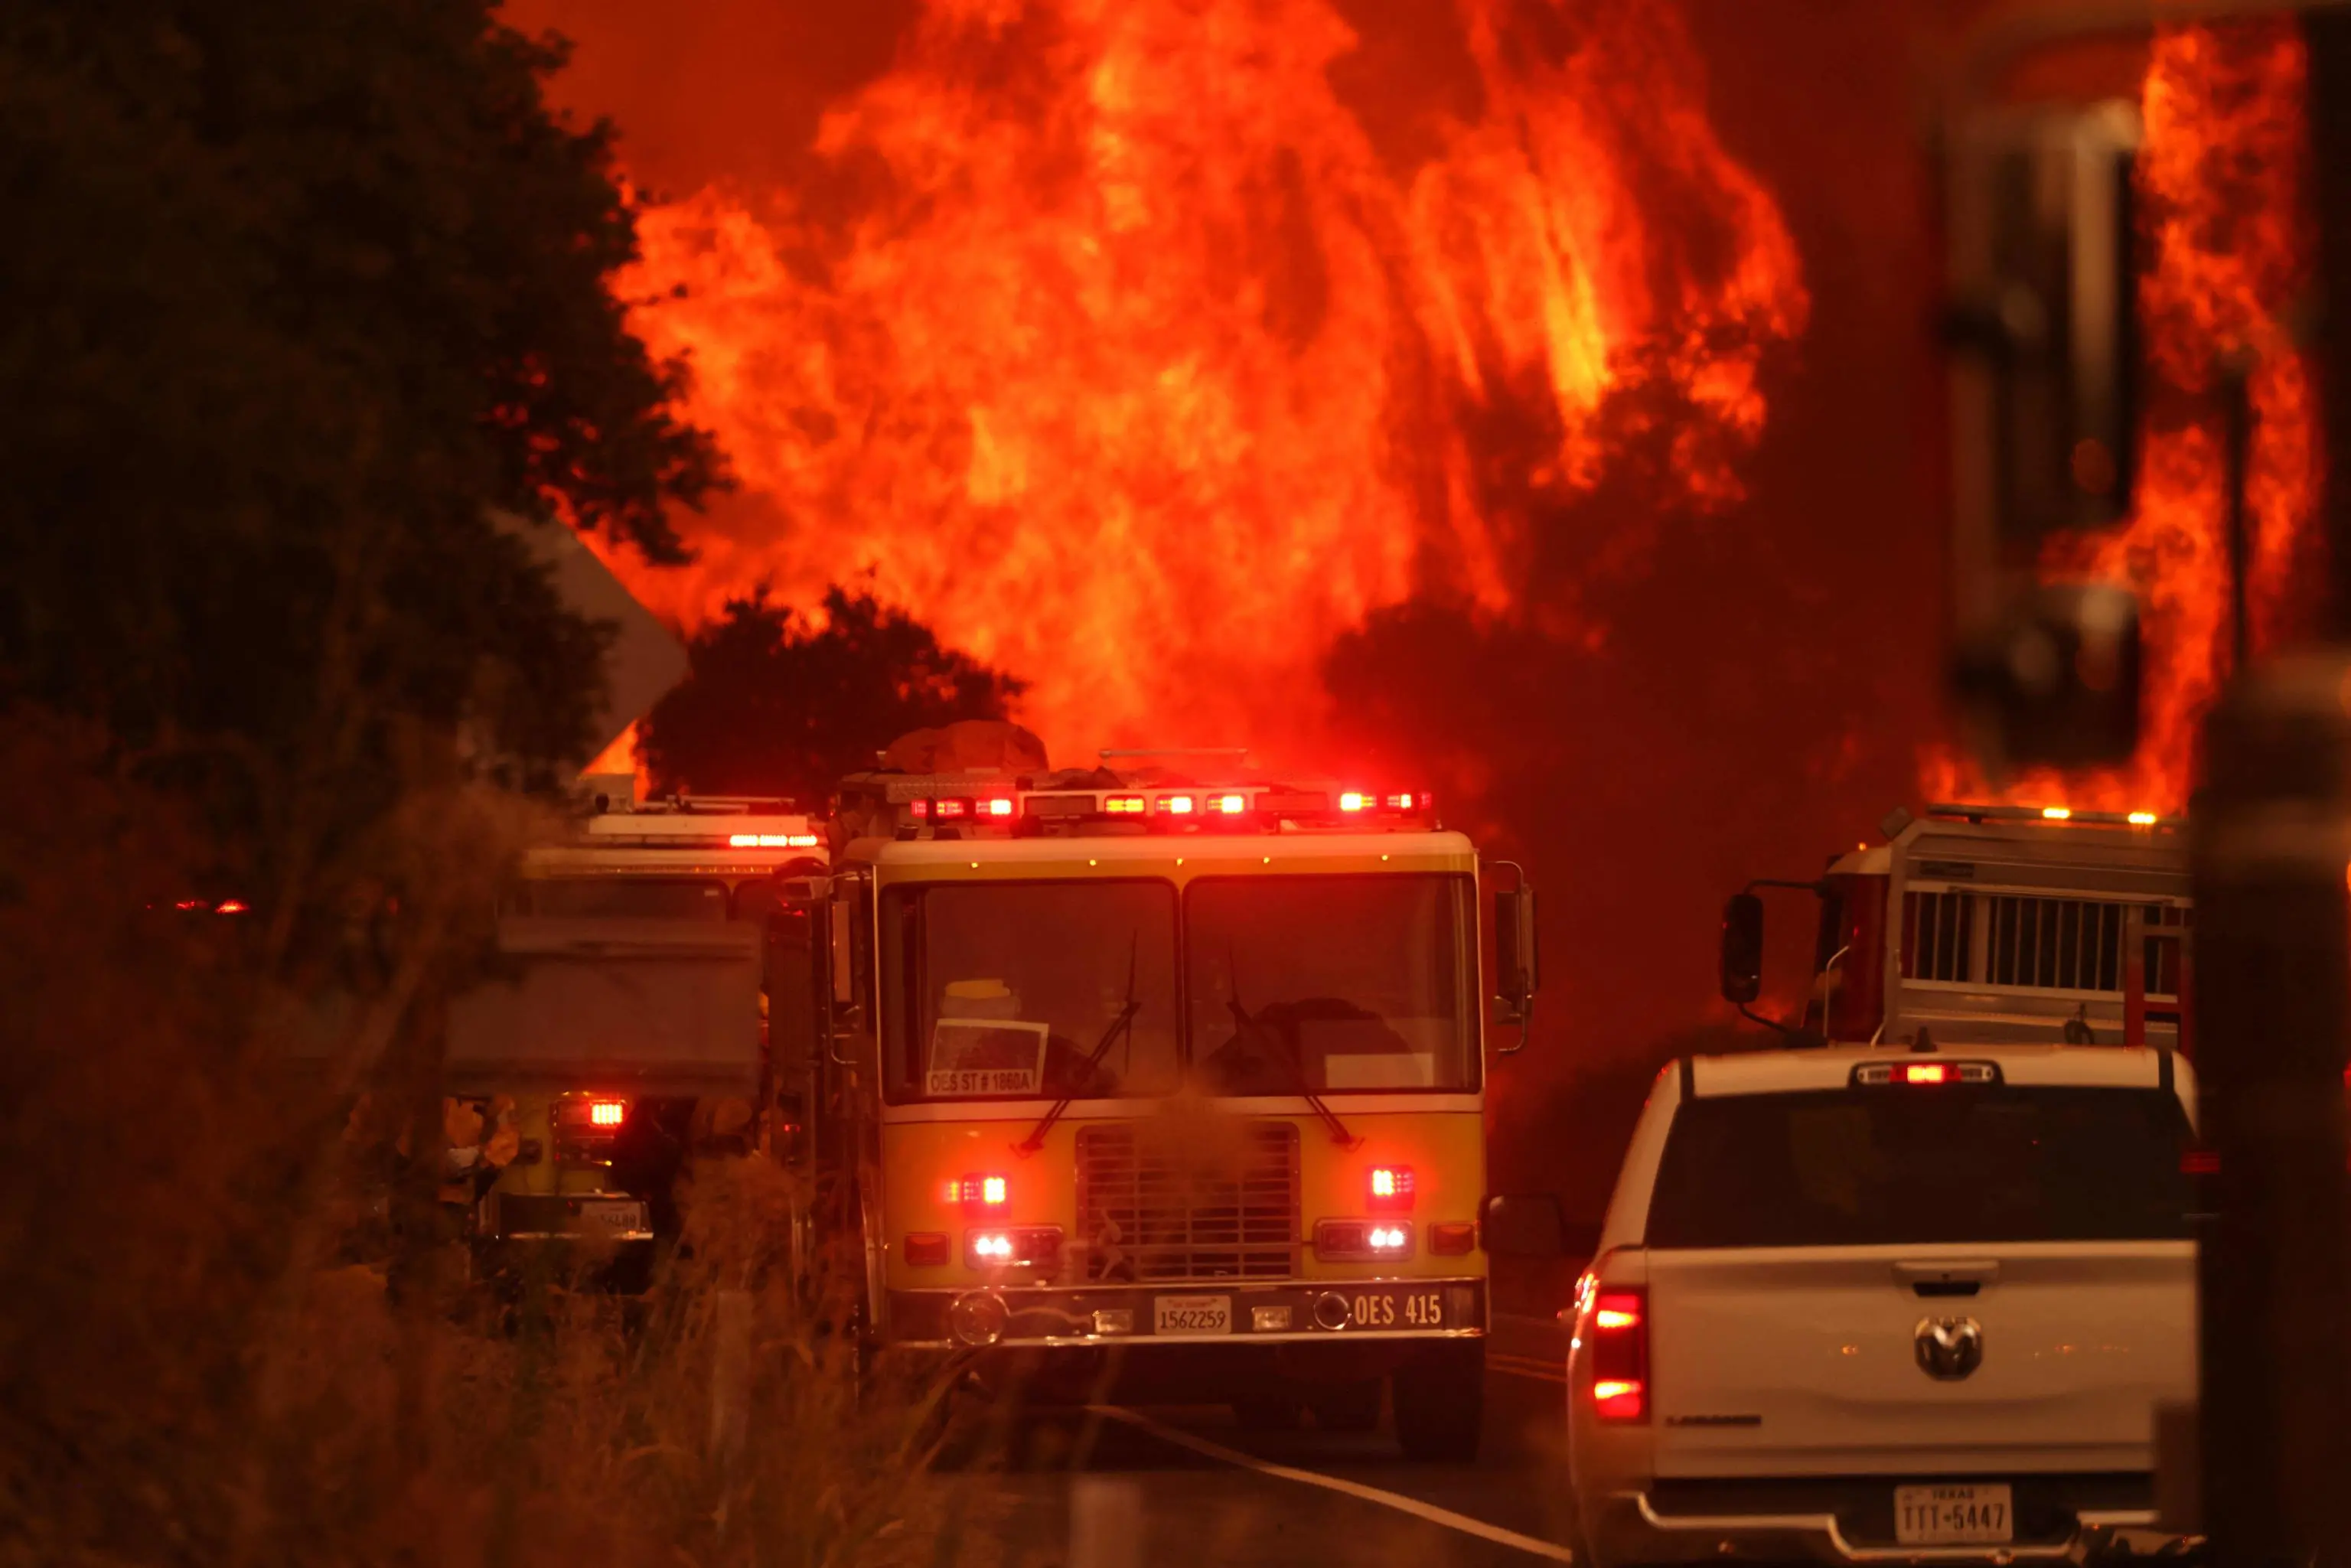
1862, 1304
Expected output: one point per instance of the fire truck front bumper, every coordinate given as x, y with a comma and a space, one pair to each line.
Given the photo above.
1189, 1312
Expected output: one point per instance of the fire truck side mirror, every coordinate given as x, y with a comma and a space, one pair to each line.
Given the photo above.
1742, 947
1517, 960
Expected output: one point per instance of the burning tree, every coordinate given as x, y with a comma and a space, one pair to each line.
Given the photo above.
1145, 350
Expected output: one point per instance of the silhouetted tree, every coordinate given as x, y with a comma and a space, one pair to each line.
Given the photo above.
772, 704
298, 292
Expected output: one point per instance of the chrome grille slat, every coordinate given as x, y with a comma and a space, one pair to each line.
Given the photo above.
1167, 1211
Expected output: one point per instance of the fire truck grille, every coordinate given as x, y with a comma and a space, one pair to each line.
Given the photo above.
1155, 1209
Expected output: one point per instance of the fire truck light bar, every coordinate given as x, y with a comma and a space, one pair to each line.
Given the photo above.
1176, 809
772, 841
2053, 814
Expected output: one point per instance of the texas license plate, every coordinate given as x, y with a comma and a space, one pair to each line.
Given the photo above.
1192, 1314
1952, 1515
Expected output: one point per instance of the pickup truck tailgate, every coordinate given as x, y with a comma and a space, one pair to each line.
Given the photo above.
2040, 1357
1960, 1276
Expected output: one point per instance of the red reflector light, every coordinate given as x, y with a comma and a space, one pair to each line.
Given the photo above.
1124, 805
928, 1249
1390, 1187
1354, 800
607, 1113
1926, 1072
1620, 1355
1178, 805
1231, 805
1454, 1240
2199, 1162
1620, 1399
997, 807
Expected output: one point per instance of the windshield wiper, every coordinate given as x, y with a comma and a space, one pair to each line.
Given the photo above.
1121, 1024
1338, 1129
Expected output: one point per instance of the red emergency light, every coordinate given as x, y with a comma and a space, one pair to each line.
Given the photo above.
1391, 1190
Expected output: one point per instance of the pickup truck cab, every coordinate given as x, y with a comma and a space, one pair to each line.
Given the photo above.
1862, 1304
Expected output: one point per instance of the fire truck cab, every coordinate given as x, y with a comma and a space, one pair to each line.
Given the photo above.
1169, 1080
626, 1029
1992, 923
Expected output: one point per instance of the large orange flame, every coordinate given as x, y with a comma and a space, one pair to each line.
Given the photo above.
1143, 365
2222, 176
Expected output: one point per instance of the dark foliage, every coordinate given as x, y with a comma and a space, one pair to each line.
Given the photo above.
772, 704
298, 292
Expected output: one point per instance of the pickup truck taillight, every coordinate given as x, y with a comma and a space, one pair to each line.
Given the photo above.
1620, 1353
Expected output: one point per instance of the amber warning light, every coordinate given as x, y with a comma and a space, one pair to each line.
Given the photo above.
979, 1191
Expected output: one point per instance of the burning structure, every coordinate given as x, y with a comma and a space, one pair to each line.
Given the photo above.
2227, 255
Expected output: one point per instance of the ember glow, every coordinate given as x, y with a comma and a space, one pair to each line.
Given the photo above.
1141, 362
2222, 176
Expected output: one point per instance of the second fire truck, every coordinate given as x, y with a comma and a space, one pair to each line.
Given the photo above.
1990, 924
627, 1029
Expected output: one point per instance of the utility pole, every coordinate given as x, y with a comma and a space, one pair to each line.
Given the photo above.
2272, 839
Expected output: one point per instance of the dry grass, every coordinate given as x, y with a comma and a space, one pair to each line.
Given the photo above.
196, 1366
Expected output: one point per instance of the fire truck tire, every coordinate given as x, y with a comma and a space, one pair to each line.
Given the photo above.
1268, 1412
1440, 1402
1346, 1407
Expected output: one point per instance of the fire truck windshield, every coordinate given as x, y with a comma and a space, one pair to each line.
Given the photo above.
1017, 991
1337, 984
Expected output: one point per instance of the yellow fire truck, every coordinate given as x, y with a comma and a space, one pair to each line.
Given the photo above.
1170, 1078
628, 1028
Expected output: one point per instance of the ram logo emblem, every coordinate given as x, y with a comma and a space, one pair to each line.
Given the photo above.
1948, 1348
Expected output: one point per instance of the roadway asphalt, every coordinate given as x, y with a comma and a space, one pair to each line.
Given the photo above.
1156, 1487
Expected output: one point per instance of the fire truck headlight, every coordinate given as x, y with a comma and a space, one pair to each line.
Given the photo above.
1361, 1240
1036, 1247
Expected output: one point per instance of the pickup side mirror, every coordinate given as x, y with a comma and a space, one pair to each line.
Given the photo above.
1517, 958
1525, 1225
1742, 947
